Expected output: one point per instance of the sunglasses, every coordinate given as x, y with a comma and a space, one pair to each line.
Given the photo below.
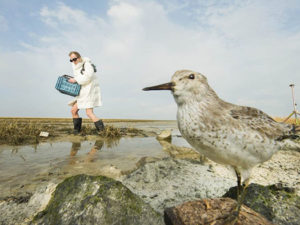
73, 60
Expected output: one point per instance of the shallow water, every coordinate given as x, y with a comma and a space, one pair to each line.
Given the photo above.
24, 167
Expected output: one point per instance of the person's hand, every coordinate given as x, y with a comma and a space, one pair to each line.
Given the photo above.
72, 80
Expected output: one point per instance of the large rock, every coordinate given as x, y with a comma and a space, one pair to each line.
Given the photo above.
165, 135
277, 203
170, 182
217, 211
87, 200
21, 209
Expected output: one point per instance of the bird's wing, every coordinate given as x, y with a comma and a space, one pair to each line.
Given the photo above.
257, 120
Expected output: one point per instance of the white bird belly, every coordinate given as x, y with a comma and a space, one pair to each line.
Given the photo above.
231, 147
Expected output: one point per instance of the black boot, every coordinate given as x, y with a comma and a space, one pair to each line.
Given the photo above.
99, 125
77, 125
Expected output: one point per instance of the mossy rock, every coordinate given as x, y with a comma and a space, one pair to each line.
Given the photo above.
280, 205
84, 199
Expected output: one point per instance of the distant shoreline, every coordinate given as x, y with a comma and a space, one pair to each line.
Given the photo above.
276, 118
84, 119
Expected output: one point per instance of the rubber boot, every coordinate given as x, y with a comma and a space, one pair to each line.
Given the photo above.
77, 125
99, 125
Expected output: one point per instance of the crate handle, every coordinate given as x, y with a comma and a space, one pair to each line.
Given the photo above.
67, 76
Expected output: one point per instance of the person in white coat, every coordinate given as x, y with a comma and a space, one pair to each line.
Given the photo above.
90, 93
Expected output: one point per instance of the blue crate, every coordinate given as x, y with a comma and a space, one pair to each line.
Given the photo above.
66, 87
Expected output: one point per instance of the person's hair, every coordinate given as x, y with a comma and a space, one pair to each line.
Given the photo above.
75, 53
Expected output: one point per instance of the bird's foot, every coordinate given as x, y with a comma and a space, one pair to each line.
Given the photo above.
232, 218
207, 205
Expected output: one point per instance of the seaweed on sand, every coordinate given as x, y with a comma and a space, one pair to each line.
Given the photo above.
15, 132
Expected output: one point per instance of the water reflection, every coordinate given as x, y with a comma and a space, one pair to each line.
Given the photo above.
112, 142
75, 148
26, 165
91, 155
167, 143
181, 152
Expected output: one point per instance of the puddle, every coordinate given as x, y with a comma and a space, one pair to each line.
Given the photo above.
22, 168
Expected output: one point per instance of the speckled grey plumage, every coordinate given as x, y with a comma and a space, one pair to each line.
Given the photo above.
226, 133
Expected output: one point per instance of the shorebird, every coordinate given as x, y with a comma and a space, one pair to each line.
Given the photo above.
229, 134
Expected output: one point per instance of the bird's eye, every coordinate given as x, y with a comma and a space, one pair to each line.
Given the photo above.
192, 76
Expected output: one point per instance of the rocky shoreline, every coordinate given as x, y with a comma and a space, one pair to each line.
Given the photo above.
158, 184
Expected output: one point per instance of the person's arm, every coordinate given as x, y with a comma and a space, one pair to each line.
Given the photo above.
86, 77
72, 80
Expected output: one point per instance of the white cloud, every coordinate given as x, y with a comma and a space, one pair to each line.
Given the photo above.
124, 13
245, 50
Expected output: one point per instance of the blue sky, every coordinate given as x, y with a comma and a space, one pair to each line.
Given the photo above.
249, 51
22, 19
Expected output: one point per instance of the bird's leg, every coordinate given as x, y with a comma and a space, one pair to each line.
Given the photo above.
207, 205
239, 186
236, 212
242, 196
233, 217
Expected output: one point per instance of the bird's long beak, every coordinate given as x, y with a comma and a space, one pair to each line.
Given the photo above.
166, 86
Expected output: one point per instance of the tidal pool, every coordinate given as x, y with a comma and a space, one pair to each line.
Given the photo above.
22, 168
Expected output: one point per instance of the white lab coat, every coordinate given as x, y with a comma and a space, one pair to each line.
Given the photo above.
90, 93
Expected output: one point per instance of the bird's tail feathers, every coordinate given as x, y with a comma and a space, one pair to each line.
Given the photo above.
291, 133
288, 136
